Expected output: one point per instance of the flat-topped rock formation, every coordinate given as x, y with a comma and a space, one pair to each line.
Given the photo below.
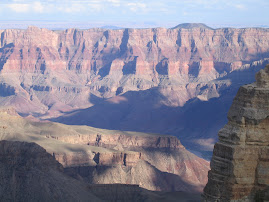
240, 162
192, 26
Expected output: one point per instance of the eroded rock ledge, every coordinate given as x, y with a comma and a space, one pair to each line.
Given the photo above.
98, 156
240, 162
119, 143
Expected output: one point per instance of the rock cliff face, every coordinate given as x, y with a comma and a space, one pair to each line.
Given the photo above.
67, 66
130, 140
240, 162
131, 51
155, 162
152, 73
29, 173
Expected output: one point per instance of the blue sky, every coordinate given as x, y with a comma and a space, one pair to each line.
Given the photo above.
138, 13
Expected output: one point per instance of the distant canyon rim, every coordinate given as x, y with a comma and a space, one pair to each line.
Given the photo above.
178, 81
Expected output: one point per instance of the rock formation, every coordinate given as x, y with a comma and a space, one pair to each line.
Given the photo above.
29, 173
47, 73
195, 124
53, 71
103, 157
240, 162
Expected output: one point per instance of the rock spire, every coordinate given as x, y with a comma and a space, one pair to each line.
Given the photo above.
240, 162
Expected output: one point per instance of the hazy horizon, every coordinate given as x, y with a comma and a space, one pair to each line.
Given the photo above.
61, 25
63, 14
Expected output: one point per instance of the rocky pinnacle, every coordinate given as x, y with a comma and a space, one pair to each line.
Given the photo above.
240, 162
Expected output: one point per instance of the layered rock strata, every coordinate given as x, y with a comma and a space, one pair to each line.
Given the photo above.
240, 162
47, 73
155, 162
128, 140
52, 71
29, 173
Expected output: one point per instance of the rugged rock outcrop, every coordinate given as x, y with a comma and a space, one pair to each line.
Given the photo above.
195, 124
52, 71
240, 162
128, 140
47, 73
98, 156
29, 173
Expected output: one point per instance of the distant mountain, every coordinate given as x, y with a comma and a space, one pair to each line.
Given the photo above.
111, 27
191, 26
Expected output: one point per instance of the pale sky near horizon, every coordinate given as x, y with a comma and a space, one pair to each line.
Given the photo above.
139, 13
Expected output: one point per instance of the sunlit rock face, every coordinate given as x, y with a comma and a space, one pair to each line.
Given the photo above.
147, 80
97, 156
240, 162
51, 71
29, 173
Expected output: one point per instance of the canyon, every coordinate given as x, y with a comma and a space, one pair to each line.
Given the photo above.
29, 173
240, 163
144, 80
137, 108
97, 156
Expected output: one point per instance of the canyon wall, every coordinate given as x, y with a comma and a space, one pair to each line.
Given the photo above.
147, 80
98, 156
240, 163
162, 157
48, 71
149, 52
29, 173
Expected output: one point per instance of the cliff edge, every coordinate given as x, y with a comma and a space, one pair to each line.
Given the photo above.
107, 157
29, 173
240, 162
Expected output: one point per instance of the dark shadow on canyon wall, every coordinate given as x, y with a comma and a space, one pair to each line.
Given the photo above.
141, 111
5, 53
163, 180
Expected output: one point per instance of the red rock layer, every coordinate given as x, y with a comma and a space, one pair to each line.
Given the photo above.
132, 51
51, 71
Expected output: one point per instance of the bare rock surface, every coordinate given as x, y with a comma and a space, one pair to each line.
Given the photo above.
195, 124
240, 163
29, 173
98, 156
47, 74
